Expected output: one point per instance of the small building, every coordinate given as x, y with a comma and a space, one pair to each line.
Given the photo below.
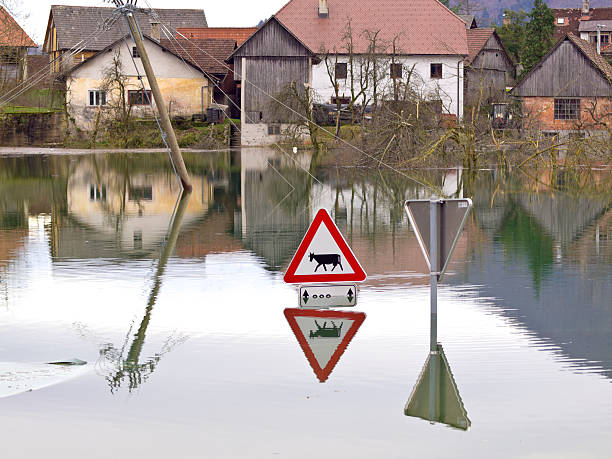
351, 51
489, 69
583, 22
570, 89
470, 21
86, 29
14, 44
186, 89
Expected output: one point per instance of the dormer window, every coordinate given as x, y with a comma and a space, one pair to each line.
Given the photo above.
561, 21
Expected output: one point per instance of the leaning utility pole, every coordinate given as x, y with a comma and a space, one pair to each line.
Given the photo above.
168, 134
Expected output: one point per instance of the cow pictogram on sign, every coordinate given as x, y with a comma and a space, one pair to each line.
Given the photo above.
323, 335
324, 255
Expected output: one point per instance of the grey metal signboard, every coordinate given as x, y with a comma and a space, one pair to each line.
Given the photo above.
449, 219
328, 295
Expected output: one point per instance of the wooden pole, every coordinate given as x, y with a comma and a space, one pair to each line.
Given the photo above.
170, 136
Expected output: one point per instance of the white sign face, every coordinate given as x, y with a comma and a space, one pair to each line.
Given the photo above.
323, 335
324, 256
325, 296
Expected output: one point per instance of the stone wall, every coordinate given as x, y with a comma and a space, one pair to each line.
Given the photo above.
32, 129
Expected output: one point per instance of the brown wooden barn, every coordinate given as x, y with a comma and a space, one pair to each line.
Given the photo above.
570, 89
488, 69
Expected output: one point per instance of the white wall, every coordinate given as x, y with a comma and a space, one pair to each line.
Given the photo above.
166, 64
446, 87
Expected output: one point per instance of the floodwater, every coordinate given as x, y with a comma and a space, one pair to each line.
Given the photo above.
178, 308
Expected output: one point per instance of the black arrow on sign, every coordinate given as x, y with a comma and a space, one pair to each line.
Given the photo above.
305, 296
350, 295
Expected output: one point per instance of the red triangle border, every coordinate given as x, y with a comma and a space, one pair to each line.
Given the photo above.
323, 217
323, 373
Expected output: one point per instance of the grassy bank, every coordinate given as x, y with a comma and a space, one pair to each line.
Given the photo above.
144, 133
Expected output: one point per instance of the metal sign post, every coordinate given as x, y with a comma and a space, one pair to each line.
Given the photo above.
437, 224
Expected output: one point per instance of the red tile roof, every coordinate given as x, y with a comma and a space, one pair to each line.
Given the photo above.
207, 54
476, 39
423, 26
11, 34
573, 16
238, 34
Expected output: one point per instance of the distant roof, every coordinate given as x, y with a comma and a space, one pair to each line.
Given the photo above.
470, 20
422, 26
209, 54
238, 34
476, 39
591, 26
75, 23
587, 50
11, 33
573, 16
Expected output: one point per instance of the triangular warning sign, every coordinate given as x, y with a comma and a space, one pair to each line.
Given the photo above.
323, 335
324, 255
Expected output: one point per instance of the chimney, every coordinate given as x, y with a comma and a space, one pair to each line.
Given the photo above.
155, 31
323, 10
585, 7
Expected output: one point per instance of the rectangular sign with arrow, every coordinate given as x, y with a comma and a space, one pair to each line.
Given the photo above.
330, 295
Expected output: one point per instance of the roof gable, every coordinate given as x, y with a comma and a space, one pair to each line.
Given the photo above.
561, 72
481, 39
273, 39
77, 23
11, 33
423, 27
93, 59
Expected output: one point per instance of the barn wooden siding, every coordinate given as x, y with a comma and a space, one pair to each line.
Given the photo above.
490, 72
565, 73
274, 59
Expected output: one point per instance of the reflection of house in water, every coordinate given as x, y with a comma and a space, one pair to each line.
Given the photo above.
370, 212
114, 213
275, 204
550, 238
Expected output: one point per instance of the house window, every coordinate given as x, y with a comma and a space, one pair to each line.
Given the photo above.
605, 39
341, 71
141, 193
436, 71
340, 100
273, 129
560, 21
97, 193
396, 70
139, 97
567, 109
135, 52
97, 98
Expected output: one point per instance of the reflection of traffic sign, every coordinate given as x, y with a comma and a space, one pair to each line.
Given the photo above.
323, 335
452, 214
435, 396
324, 255
325, 296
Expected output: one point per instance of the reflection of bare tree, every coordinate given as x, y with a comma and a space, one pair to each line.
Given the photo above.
130, 367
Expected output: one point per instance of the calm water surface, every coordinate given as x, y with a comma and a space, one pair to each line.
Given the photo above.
177, 306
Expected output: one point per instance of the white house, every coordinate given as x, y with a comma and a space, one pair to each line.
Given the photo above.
313, 42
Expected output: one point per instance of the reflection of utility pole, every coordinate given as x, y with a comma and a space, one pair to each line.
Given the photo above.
131, 364
170, 136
